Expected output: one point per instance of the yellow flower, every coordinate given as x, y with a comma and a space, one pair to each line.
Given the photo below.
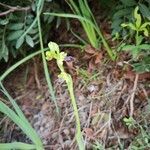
48, 55
53, 47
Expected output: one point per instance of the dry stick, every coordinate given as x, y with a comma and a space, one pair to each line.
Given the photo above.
145, 93
89, 117
88, 120
133, 95
12, 9
36, 74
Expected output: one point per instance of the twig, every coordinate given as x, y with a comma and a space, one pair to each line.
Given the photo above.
133, 95
5, 5
36, 76
12, 9
89, 117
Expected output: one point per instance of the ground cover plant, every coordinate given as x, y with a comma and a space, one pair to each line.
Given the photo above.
97, 96
139, 48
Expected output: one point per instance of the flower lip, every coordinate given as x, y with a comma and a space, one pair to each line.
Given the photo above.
69, 58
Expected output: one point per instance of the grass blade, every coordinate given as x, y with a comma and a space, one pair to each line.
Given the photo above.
17, 145
25, 127
9, 70
78, 37
12, 68
111, 53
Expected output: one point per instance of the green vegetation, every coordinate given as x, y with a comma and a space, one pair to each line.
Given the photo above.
26, 27
19, 119
85, 16
123, 12
139, 49
19, 26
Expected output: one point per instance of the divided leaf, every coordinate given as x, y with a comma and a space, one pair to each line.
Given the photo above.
29, 41
128, 47
128, 2
145, 10
15, 35
16, 26
4, 52
19, 42
145, 46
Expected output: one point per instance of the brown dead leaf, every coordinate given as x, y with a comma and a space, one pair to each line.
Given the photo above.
70, 65
26, 102
89, 49
94, 111
93, 56
130, 75
144, 76
103, 134
45, 106
123, 134
91, 65
98, 58
87, 56
142, 96
89, 133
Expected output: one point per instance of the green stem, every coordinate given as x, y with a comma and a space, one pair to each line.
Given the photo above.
79, 136
137, 36
39, 9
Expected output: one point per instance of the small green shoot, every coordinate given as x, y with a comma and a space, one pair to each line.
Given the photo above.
141, 140
139, 28
129, 122
55, 53
98, 146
